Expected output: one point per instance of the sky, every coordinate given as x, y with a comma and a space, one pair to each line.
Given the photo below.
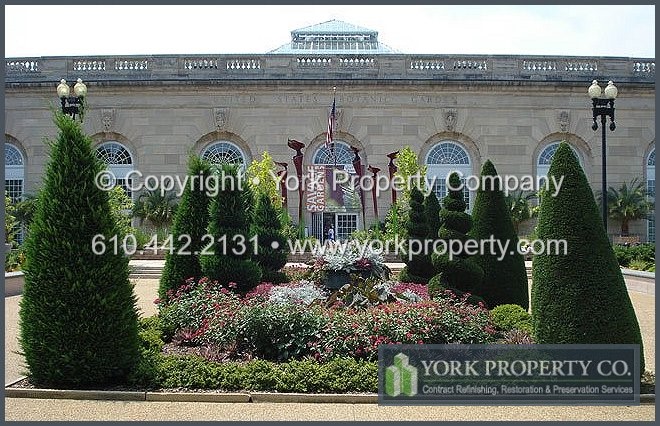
627, 31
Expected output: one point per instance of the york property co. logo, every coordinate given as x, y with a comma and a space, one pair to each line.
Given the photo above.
401, 378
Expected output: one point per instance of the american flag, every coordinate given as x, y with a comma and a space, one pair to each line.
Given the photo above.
329, 135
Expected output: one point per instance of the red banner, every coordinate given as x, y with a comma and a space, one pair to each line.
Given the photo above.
315, 187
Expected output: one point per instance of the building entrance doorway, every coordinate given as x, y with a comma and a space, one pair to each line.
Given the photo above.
343, 224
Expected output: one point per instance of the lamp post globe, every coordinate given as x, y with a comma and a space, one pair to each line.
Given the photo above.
72, 105
603, 107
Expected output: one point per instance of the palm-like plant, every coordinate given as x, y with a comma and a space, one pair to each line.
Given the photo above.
627, 203
156, 208
520, 207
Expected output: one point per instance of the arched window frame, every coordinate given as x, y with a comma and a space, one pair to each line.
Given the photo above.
119, 160
542, 169
650, 192
14, 172
323, 156
444, 157
224, 149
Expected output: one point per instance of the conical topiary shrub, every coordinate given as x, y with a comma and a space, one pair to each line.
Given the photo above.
505, 279
188, 230
432, 213
271, 250
229, 261
418, 267
78, 317
456, 270
579, 297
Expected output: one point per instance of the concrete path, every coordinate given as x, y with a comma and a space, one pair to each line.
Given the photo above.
147, 290
58, 410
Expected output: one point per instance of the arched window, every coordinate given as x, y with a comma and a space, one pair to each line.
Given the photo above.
119, 162
224, 152
14, 172
650, 191
343, 153
444, 158
546, 155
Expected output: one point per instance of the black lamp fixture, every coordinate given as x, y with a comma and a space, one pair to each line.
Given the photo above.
603, 107
72, 105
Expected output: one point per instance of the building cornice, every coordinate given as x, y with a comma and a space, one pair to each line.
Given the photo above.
393, 69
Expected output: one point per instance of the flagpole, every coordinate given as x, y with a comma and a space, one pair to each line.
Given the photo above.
334, 125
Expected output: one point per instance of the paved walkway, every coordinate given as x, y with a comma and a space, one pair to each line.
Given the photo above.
146, 290
49, 409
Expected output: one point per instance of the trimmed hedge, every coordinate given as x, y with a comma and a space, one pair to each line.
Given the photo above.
341, 375
156, 371
510, 317
229, 224
191, 220
418, 267
505, 279
78, 316
266, 225
459, 273
580, 297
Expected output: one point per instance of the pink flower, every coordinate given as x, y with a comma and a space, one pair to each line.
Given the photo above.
232, 284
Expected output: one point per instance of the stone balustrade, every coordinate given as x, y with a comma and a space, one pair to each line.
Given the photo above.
319, 67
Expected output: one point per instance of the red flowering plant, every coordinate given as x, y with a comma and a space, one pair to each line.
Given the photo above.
201, 312
358, 333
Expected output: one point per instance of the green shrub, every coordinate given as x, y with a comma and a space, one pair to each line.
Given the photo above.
511, 316
460, 272
78, 316
642, 253
279, 331
418, 267
641, 265
505, 276
120, 208
308, 376
190, 226
271, 252
229, 224
579, 297
432, 213
10, 221
395, 221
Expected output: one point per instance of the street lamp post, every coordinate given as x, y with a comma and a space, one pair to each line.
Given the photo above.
72, 105
603, 106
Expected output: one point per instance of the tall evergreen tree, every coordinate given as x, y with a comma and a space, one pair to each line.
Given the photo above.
188, 230
418, 267
271, 251
78, 317
229, 225
456, 270
579, 297
432, 215
505, 279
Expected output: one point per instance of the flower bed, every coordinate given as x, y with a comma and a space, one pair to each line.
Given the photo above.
297, 320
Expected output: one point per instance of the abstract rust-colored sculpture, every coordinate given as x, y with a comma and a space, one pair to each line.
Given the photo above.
392, 168
375, 171
298, 161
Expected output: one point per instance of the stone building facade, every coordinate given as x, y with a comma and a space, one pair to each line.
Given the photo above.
148, 113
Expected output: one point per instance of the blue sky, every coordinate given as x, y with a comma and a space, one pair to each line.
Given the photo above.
522, 30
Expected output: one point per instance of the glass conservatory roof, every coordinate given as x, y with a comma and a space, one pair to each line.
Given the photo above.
334, 37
